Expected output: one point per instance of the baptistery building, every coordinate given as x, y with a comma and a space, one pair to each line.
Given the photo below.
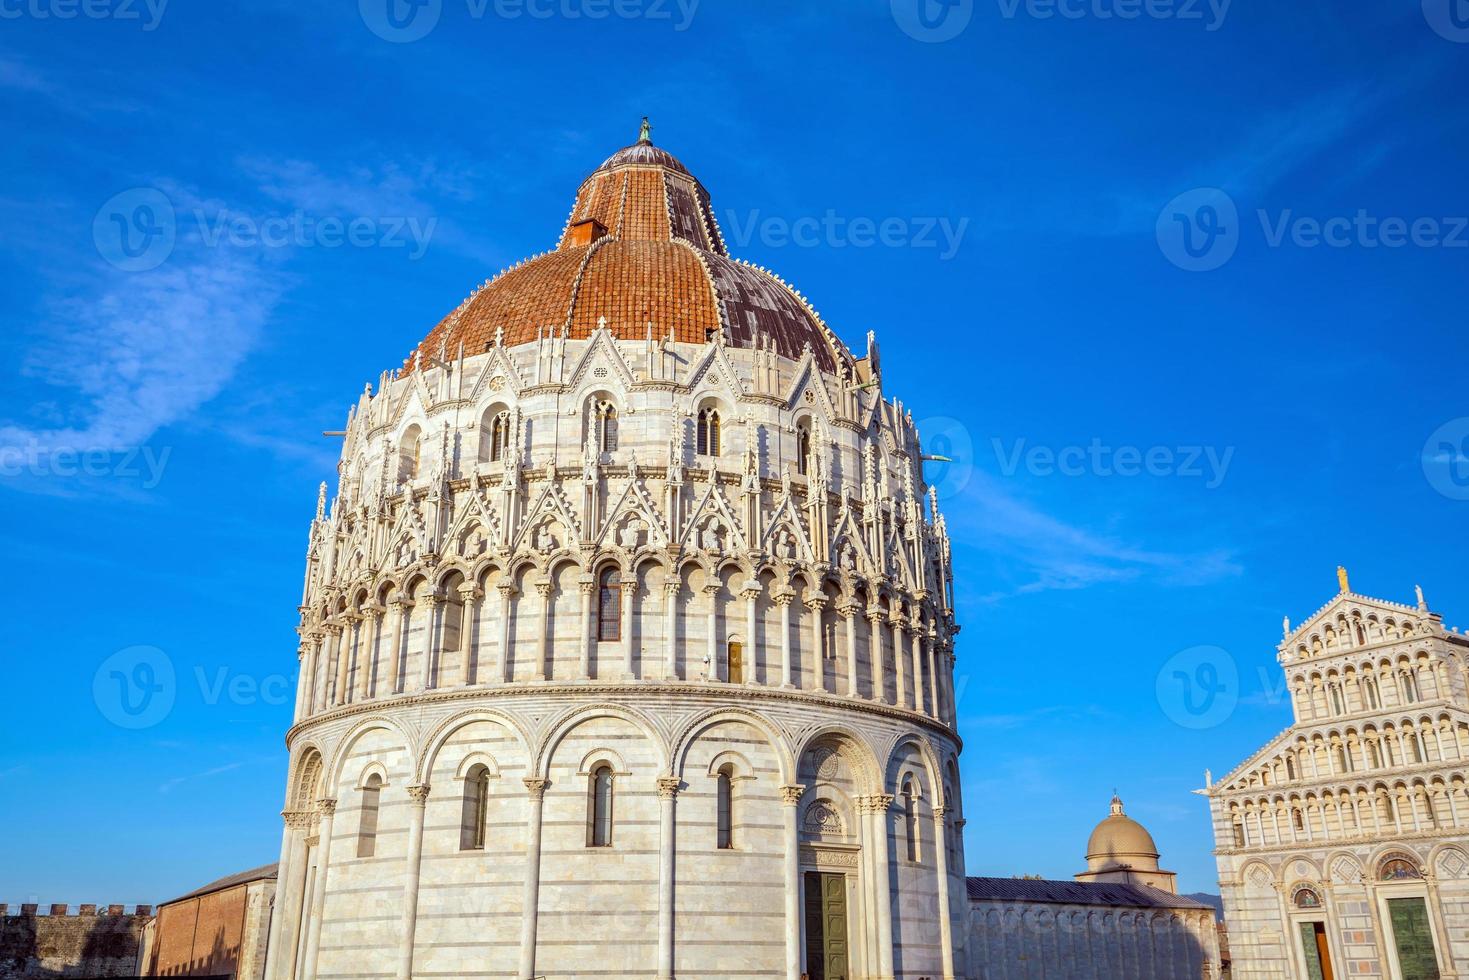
627, 638
1343, 843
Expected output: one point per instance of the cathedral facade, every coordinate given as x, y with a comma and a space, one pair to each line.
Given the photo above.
627, 640
1343, 844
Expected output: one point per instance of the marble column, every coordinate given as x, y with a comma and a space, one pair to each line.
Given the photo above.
404, 608
941, 859
507, 592
881, 805
899, 669
629, 648
368, 659
916, 628
433, 639
712, 671
327, 808
544, 591
285, 920
783, 603
418, 797
667, 799
816, 606
671, 590
848, 612
879, 680
531, 888
935, 681
336, 677
303, 680
751, 594
588, 587
471, 603
790, 798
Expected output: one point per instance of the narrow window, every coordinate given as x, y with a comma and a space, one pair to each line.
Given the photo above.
599, 812
499, 436
1374, 761
1239, 834
910, 821
609, 606
606, 427
367, 819
1336, 699
708, 434
1290, 768
725, 807
803, 450
475, 810
1296, 819
1417, 746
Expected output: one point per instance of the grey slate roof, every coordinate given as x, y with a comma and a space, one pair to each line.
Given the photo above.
265, 871
1076, 893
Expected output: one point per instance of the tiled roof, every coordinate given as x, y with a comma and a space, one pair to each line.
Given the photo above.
1076, 893
663, 262
264, 872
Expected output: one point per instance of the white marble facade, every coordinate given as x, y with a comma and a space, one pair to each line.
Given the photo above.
1343, 844
783, 634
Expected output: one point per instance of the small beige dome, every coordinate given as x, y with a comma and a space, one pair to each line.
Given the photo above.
1120, 841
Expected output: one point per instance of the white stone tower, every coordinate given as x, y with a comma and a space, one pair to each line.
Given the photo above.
627, 640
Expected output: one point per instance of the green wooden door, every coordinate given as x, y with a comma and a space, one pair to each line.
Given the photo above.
826, 926
1413, 939
1315, 952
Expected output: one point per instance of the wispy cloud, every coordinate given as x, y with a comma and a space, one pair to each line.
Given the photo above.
169, 784
1058, 555
145, 351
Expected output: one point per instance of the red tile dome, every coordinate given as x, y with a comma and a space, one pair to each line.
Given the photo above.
641, 247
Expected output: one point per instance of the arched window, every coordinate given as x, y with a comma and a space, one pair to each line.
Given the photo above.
410, 455
724, 810
708, 435
1239, 834
372, 792
1296, 821
803, 449
910, 820
499, 436
1290, 768
609, 605
606, 423
475, 809
599, 807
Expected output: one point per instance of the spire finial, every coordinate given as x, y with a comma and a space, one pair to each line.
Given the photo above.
1341, 578
1422, 603
645, 133
1116, 804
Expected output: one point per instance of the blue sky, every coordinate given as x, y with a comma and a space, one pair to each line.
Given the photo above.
1286, 401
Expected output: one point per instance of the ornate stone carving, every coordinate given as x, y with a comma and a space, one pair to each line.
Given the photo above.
791, 795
